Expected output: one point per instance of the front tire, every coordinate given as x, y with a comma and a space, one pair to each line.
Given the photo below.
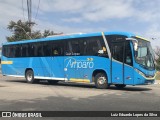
30, 76
101, 81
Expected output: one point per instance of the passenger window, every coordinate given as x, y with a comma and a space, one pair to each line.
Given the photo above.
96, 46
25, 50
128, 54
117, 51
114, 39
47, 49
73, 47
31, 50
83, 47
86, 46
68, 48
57, 48
17, 50
93, 47
6, 51
121, 51
12, 51
38, 49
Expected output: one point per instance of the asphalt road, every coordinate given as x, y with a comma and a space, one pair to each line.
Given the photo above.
17, 95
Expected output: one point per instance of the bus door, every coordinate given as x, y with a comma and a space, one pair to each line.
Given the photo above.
122, 63
128, 65
117, 62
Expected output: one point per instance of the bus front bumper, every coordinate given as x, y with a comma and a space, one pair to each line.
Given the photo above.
149, 82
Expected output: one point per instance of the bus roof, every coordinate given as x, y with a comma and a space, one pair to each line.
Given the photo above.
74, 35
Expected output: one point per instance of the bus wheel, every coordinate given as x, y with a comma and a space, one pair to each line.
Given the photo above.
52, 82
101, 81
120, 86
30, 76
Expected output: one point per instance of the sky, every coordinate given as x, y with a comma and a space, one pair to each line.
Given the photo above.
141, 17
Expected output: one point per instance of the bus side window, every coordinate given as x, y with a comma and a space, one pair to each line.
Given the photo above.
75, 47
96, 46
72, 47
5, 51
83, 47
56, 51
39, 49
31, 50
57, 48
17, 51
11, 53
128, 54
47, 48
25, 50
117, 51
68, 48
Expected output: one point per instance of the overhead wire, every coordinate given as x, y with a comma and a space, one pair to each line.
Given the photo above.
37, 10
23, 10
30, 10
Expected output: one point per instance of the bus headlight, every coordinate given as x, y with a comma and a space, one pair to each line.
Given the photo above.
141, 73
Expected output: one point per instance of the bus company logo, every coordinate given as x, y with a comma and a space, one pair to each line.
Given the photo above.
73, 63
22, 114
6, 114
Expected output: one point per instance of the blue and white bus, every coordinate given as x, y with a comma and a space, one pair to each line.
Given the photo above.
103, 58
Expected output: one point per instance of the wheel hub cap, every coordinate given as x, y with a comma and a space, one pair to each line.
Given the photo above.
101, 80
29, 77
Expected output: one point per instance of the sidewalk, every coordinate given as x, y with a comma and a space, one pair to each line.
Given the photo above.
157, 82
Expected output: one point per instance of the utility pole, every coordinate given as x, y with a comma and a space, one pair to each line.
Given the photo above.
29, 8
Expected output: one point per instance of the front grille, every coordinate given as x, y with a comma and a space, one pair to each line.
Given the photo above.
149, 76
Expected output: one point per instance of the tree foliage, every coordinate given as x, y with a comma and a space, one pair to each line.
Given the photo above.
157, 53
22, 31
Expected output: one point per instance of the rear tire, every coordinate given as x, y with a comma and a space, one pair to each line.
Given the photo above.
30, 77
101, 81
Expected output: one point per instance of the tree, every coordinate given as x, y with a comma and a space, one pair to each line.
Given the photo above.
22, 31
49, 33
157, 53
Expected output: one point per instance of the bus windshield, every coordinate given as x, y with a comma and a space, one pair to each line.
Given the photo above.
144, 54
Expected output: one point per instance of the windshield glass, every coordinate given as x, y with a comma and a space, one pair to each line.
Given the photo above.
144, 54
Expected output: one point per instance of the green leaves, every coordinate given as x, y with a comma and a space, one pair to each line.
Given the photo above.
22, 30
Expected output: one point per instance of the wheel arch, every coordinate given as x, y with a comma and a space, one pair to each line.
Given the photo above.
32, 80
27, 70
96, 72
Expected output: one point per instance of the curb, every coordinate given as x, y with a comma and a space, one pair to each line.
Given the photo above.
157, 83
